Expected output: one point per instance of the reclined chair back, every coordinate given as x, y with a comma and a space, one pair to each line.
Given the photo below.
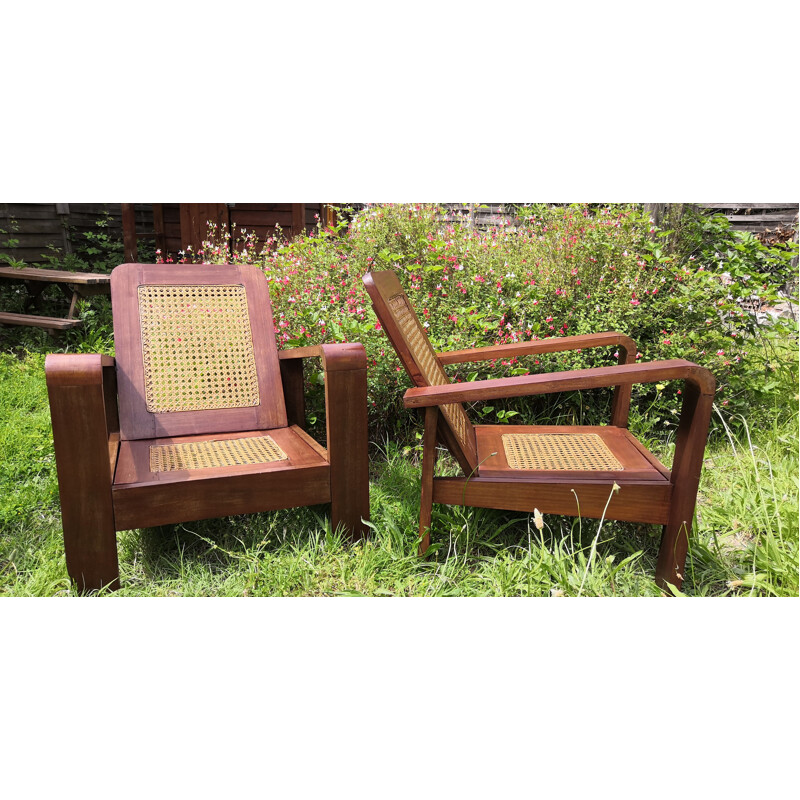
195, 350
409, 339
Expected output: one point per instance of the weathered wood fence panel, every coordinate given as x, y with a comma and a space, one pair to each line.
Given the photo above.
42, 229
757, 217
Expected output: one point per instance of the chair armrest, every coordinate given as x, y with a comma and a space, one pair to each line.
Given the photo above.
338, 357
524, 385
556, 344
335, 357
291, 366
83, 410
300, 352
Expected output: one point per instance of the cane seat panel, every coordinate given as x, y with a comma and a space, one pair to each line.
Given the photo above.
559, 451
216, 453
583, 452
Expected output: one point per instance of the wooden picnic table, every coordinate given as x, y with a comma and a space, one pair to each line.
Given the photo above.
72, 284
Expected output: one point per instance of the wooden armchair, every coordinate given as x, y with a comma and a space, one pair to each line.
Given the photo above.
198, 416
558, 469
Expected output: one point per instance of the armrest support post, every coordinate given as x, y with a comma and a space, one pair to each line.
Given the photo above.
291, 365
621, 404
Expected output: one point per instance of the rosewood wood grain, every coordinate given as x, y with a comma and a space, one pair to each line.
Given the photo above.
135, 420
103, 457
293, 391
525, 385
621, 402
144, 505
81, 443
555, 344
651, 459
312, 443
687, 464
291, 366
648, 491
646, 502
345, 367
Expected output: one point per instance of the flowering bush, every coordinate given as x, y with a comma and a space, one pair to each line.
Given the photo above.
559, 272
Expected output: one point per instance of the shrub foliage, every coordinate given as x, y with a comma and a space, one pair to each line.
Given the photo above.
689, 292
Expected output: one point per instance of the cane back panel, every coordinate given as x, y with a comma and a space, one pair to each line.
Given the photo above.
196, 350
418, 357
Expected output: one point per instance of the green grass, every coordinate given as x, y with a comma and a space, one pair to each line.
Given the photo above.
746, 541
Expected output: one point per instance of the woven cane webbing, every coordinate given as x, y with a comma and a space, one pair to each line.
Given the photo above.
558, 451
225, 453
426, 361
197, 348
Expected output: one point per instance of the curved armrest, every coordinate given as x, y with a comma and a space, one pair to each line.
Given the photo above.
556, 344
83, 409
525, 385
336, 357
75, 369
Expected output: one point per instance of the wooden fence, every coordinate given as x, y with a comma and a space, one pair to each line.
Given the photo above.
757, 217
42, 229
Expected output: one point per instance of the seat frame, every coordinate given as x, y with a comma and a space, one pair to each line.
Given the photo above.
84, 407
654, 494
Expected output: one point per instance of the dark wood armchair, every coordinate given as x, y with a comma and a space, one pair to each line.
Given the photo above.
198, 416
567, 470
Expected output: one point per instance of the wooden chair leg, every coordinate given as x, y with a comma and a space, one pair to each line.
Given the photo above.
90, 542
686, 468
428, 464
348, 441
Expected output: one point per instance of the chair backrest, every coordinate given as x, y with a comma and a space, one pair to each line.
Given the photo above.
409, 339
195, 350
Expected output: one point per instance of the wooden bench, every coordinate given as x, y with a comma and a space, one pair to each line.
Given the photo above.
51, 324
72, 284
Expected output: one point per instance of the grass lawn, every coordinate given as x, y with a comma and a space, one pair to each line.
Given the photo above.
746, 541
